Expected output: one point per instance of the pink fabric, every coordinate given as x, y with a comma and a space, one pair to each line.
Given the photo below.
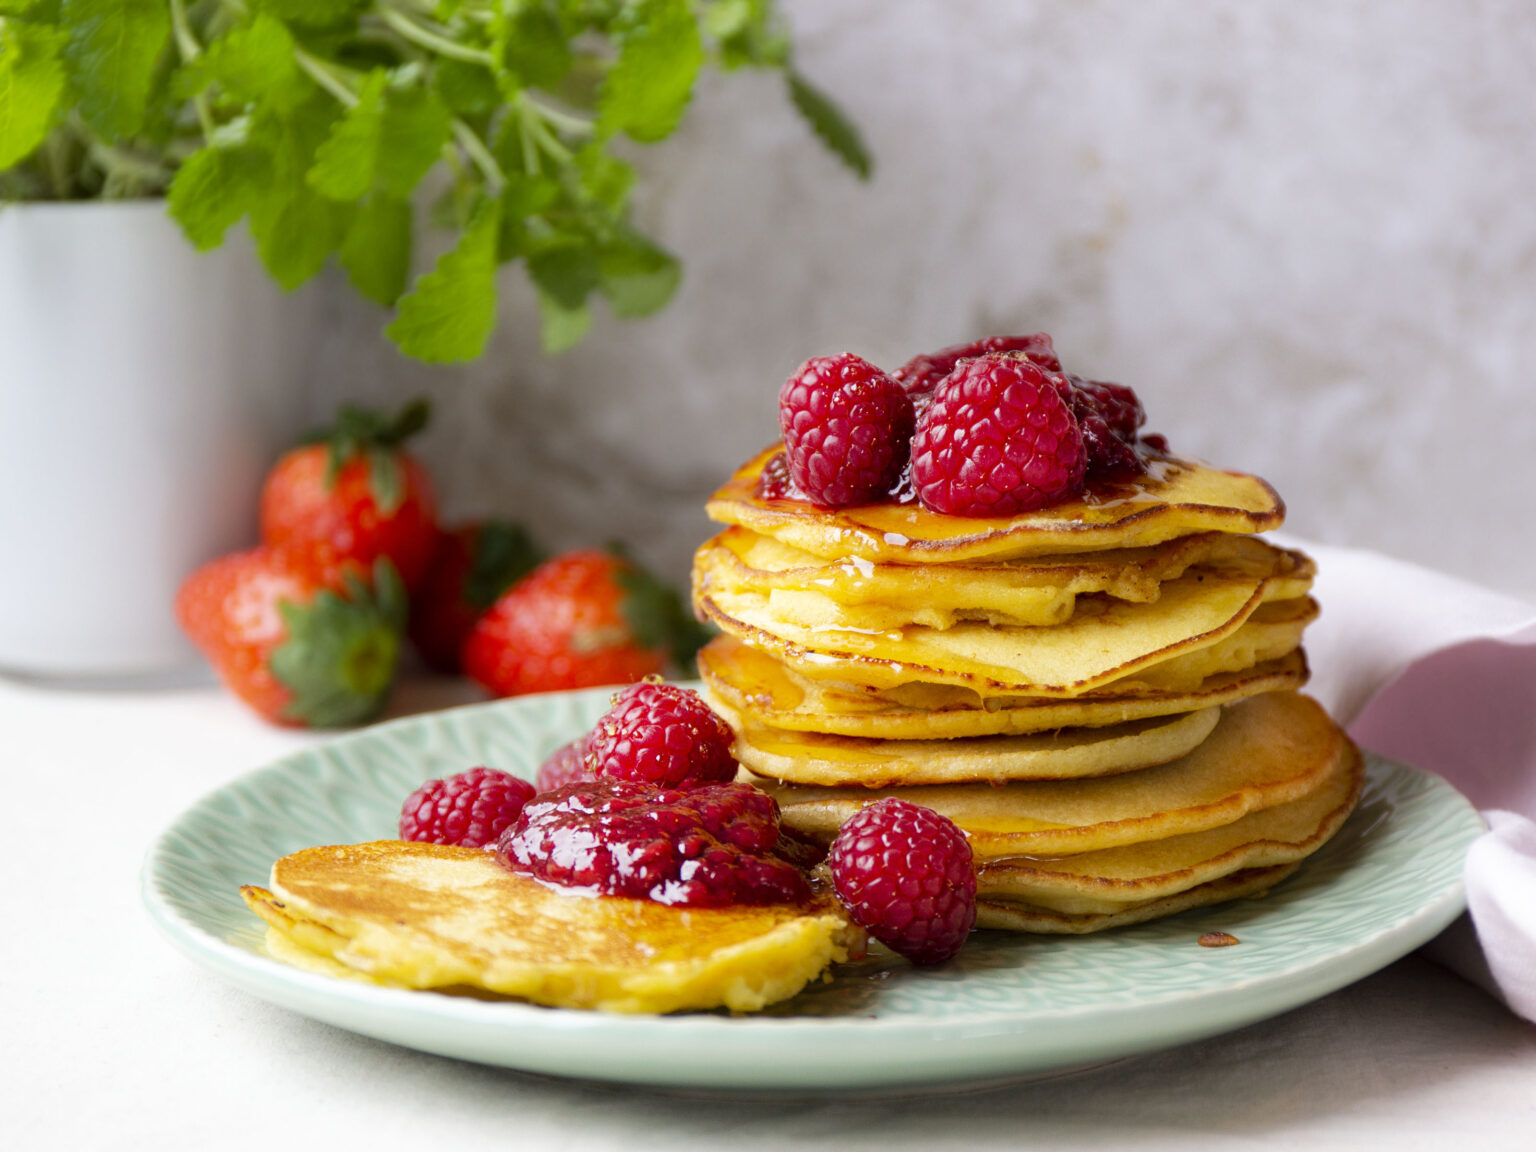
1441, 674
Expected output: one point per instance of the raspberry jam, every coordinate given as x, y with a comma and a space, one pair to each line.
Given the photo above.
708, 847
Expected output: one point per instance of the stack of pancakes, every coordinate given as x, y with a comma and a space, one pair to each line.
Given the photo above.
1102, 694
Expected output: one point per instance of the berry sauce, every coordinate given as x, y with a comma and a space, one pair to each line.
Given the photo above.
707, 847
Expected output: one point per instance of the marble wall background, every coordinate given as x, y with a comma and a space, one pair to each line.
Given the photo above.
1305, 233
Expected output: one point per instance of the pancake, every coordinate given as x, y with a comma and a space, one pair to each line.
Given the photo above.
1017, 916
1116, 878
1105, 641
1175, 498
1267, 750
859, 593
743, 680
413, 915
811, 758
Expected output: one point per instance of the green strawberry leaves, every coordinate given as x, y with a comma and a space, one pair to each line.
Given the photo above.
340, 652
657, 615
503, 554
376, 436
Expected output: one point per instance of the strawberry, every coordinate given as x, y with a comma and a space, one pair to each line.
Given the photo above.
354, 489
584, 618
304, 639
472, 566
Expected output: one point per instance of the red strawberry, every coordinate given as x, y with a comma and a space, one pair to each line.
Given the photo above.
304, 639
472, 566
354, 489
581, 619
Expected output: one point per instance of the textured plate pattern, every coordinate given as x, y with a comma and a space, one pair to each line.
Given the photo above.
1010, 1005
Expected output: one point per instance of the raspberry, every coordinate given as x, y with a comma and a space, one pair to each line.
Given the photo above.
661, 734
709, 847
998, 439
774, 483
921, 374
1108, 416
470, 809
846, 425
566, 765
904, 873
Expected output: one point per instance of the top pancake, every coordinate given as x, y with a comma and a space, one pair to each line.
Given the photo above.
1176, 498
430, 916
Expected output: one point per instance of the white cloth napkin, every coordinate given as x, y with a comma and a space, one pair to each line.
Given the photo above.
1441, 674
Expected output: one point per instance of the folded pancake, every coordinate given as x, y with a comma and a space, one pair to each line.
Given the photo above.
1105, 641
1117, 878
745, 681
1018, 916
415, 915
855, 592
1175, 498
814, 758
1266, 750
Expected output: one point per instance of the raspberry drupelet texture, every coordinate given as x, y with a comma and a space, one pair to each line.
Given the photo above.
904, 873
998, 439
709, 847
922, 374
565, 765
1108, 415
471, 809
846, 427
664, 735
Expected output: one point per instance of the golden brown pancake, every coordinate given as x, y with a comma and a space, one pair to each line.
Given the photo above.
1017, 916
416, 915
1040, 591
1116, 878
1265, 751
746, 681
813, 758
1176, 498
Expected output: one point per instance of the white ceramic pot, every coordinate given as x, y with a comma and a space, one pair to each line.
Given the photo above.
144, 389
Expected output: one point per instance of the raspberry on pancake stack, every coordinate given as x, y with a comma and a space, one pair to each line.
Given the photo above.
973, 584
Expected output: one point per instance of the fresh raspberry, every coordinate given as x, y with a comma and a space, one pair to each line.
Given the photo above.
566, 765
664, 735
998, 439
921, 374
904, 873
471, 809
1118, 405
1108, 416
774, 482
708, 847
846, 426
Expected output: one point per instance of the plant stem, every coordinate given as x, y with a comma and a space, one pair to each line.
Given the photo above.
186, 43
430, 40
476, 150
321, 73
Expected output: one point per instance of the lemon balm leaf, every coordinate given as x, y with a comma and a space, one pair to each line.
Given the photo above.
31, 82
113, 50
449, 313
646, 93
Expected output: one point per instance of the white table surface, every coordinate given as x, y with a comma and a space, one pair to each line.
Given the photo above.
112, 1039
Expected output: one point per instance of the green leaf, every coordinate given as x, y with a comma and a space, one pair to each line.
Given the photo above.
647, 91
829, 123
113, 51
341, 649
563, 327
502, 555
213, 189
638, 278
250, 62
344, 164
296, 228
31, 83
535, 49
605, 179
415, 132
467, 88
566, 271
377, 249
315, 13
449, 313
387, 141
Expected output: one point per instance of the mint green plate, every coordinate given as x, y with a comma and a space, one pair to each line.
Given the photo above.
1009, 1006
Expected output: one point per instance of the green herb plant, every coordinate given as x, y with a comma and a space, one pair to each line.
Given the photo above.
324, 123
